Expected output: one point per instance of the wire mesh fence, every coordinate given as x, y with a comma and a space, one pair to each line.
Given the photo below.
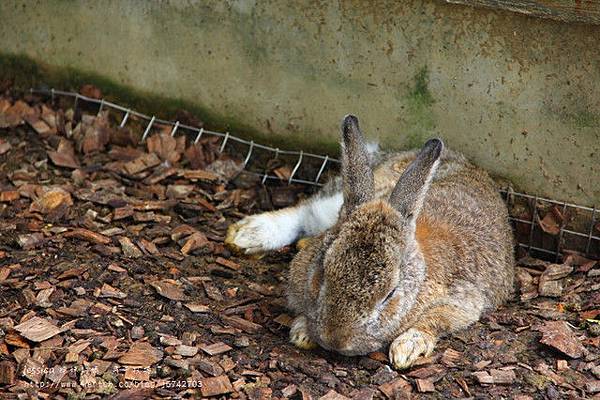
551, 229
318, 163
544, 228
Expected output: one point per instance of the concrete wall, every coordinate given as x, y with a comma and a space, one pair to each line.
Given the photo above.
519, 95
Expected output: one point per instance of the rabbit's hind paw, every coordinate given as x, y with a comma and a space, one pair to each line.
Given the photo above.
252, 235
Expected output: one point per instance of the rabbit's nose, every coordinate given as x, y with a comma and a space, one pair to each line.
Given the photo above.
329, 341
336, 339
347, 347
347, 350
340, 344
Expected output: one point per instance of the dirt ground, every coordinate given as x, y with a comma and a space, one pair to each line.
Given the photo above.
115, 283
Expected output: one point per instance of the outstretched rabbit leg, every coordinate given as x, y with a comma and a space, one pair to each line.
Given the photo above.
422, 337
275, 229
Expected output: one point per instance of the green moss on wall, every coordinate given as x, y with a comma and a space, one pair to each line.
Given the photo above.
584, 119
24, 73
420, 121
420, 92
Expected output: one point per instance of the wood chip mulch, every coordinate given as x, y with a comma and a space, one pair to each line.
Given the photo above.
115, 283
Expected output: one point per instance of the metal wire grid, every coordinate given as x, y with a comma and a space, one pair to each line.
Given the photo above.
327, 161
303, 157
534, 222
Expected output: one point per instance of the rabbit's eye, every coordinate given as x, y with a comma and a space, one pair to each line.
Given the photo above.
390, 295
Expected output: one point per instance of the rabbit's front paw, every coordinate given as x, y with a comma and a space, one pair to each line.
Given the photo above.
409, 346
299, 334
255, 234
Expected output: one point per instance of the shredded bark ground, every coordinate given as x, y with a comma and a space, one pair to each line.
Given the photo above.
115, 283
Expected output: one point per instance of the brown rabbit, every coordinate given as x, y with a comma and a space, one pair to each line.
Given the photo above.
408, 251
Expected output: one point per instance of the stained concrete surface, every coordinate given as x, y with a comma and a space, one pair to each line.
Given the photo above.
518, 95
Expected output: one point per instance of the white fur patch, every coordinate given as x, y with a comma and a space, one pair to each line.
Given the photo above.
276, 229
372, 150
321, 213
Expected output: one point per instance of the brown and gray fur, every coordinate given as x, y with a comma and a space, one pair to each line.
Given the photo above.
421, 247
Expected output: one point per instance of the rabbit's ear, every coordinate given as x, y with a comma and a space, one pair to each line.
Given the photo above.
358, 185
411, 189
